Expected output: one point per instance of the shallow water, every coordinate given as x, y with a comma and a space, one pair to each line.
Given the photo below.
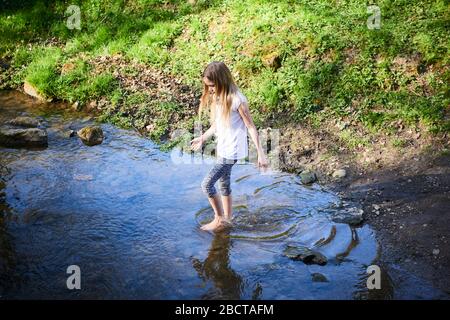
129, 217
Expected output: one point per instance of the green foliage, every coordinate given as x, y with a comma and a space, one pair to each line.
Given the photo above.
399, 143
326, 56
153, 44
42, 72
352, 140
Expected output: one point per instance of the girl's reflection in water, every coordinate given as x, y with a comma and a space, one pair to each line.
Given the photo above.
227, 284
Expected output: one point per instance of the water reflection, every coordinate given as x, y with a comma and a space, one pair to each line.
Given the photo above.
8, 258
227, 284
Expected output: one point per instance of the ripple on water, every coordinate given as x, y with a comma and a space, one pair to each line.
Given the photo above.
267, 223
124, 211
263, 215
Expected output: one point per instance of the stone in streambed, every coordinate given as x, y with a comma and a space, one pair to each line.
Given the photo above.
23, 137
305, 254
76, 106
318, 277
71, 133
307, 177
351, 216
67, 133
340, 173
91, 135
24, 121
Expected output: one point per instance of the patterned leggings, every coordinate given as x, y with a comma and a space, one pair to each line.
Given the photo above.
221, 171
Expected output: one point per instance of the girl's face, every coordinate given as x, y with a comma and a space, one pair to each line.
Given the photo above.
210, 84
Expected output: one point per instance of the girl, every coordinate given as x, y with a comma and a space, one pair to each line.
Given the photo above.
230, 118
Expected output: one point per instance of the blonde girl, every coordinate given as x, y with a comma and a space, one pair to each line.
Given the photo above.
230, 119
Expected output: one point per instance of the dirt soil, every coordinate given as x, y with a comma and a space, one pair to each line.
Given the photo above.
410, 212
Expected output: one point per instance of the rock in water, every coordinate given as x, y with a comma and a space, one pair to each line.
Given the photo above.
340, 173
91, 135
71, 133
76, 106
351, 215
307, 177
304, 254
24, 121
23, 137
318, 277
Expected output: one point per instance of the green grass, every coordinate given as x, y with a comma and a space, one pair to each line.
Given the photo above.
328, 59
42, 72
352, 140
399, 143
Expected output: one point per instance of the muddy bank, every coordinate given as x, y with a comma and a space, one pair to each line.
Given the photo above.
410, 209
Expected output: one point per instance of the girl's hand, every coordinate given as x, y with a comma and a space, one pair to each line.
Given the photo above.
262, 162
196, 143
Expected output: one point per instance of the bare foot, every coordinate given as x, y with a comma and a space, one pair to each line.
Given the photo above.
216, 225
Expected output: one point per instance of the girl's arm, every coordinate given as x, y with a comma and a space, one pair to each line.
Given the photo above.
197, 143
248, 120
208, 133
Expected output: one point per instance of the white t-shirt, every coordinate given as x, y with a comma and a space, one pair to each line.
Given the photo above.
232, 141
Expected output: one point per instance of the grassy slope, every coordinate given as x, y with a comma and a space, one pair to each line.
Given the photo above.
328, 58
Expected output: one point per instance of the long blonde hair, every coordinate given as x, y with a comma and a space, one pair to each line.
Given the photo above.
225, 88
